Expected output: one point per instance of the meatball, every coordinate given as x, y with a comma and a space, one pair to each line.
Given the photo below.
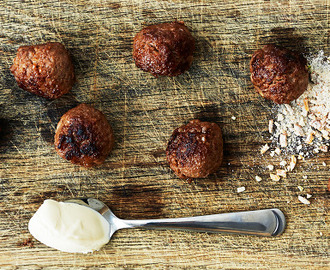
84, 136
45, 69
279, 74
164, 49
195, 150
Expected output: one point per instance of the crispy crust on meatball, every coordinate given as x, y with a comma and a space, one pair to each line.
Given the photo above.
195, 150
45, 69
279, 74
84, 136
164, 49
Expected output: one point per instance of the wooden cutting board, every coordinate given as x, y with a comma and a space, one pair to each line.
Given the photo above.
143, 110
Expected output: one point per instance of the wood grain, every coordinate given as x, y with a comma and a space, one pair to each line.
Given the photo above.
136, 180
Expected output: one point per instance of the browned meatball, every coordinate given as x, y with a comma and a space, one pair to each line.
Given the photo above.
195, 150
45, 69
164, 49
84, 136
279, 74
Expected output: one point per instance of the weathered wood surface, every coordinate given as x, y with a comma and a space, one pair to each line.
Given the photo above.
135, 180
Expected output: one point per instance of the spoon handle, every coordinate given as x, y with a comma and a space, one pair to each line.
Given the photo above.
268, 222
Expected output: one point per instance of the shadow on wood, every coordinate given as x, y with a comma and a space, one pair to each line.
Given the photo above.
286, 37
136, 201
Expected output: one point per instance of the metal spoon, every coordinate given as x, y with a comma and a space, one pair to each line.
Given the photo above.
267, 222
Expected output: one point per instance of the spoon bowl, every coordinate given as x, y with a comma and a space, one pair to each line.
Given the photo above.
267, 222
100, 207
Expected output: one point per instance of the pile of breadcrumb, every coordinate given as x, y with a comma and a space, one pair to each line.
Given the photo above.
302, 129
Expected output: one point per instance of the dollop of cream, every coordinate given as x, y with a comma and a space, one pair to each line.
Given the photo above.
69, 227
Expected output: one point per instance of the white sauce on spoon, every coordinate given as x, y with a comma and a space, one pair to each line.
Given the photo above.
69, 227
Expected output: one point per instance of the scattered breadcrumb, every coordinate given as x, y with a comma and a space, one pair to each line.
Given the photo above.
306, 104
277, 151
303, 200
283, 140
324, 148
283, 163
281, 173
308, 196
271, 126
240, 189
289, 108
274, 177
270, 167
298, 131
300, 188
293, 162
264, 149
258, 178
310, 137
325, 134
280, 117
233, 117
305, 176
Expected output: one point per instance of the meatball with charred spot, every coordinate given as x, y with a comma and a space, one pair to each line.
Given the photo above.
84, 136
164, 49
279, 74
45, 69
195, 150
